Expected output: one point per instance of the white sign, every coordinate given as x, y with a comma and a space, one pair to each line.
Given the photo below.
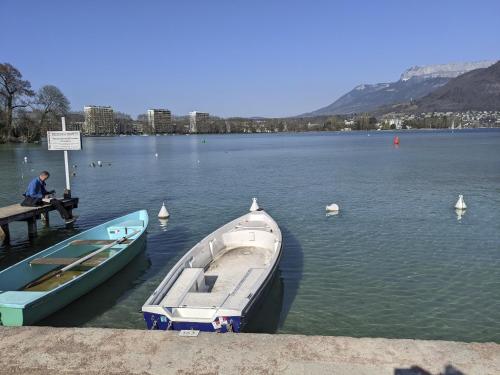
64, 140
189, 332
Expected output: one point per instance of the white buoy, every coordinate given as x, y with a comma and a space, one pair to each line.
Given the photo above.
99, 163
333, 207
255, 206
26, 159
163, 214
460, 205
156, 155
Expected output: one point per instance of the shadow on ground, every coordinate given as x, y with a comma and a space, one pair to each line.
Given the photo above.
417, 370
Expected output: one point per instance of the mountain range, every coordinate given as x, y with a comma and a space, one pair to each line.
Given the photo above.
414, 83
477, 90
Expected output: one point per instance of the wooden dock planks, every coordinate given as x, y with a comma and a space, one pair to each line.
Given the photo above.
16, 212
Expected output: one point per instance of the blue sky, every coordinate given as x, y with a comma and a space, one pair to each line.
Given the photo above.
246, 58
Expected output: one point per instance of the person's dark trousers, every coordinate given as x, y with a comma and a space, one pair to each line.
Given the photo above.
59, 207
34, 202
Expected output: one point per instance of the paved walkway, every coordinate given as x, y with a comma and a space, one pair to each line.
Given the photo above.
89, 351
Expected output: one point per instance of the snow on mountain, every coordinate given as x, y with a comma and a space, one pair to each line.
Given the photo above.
444, 70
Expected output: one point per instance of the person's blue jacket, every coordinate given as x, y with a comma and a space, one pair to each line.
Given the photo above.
36, 189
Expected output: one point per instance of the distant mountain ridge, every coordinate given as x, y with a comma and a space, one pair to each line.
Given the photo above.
414, 83
443, 70
477, 90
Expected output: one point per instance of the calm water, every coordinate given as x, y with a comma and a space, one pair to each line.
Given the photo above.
396, 262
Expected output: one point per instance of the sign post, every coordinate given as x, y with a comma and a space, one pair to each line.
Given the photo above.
64, 141
66, 162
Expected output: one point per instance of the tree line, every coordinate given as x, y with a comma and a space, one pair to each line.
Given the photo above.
24, 112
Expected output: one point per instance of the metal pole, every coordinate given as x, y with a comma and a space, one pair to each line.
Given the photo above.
66, 163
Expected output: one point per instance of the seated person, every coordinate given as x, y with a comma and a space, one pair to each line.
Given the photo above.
37, 195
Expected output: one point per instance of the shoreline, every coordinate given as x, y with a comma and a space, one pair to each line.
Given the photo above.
47, 350
44, 139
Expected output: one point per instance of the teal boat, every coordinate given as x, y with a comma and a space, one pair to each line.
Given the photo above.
49, 280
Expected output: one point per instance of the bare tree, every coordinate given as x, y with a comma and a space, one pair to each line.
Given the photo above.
13, 90
50, 101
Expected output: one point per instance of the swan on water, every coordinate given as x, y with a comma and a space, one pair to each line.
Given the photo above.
333, 207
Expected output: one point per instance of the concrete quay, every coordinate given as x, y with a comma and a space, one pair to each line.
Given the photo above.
89, 351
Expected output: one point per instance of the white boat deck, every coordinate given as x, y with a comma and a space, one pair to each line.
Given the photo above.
235, 272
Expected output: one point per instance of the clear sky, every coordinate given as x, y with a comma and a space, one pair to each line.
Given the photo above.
246, 58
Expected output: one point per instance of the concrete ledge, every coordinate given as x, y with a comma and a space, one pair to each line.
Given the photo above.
89, 351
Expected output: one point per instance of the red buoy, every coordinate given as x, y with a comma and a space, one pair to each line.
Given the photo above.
396, 140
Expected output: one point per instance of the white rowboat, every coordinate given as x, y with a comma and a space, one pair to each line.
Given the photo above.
215, 285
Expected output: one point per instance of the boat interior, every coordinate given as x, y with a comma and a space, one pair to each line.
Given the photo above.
223, 270
42, 272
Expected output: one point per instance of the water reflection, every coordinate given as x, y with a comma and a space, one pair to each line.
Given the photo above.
266, 317
460, 213
291, 266
163, 224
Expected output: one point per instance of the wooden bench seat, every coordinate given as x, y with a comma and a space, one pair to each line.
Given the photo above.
92, 262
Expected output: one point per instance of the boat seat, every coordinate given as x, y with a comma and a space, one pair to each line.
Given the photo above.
92, 262
96, 242
253, 225
190, 279
204, 300
18, 299
124, 228
241, 293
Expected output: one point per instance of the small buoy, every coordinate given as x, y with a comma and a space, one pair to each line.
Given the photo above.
396, 140
460, 205
156, 155
333, 207
99, 163
26, 159
163, 214
255, 206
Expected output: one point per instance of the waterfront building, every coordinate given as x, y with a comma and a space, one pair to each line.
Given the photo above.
197, 119
99, 120
159, 120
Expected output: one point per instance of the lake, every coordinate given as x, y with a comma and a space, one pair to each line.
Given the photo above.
396, 262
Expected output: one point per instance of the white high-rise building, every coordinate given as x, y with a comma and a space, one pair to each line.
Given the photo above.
159, 120
196, 119
98, 120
